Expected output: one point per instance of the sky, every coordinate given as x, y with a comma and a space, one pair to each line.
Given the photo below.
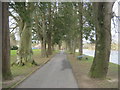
114, 24
115, 27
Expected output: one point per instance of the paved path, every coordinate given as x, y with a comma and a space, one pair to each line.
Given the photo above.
57, 73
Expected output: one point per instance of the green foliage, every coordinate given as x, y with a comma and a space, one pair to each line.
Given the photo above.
13, 52
89, 28
61, 20
14, 48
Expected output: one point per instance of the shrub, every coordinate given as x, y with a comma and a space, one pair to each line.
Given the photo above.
14, 48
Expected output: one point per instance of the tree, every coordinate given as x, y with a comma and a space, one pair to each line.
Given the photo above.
102, 20
40, 26
6, 72
25, 13
49, 31
70, 23
58, 31
88, 26
13, 41
41, 30
80, 5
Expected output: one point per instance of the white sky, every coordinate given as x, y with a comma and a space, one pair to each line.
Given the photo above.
114, 28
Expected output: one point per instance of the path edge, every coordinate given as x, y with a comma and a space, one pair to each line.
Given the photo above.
72, 70
27, 76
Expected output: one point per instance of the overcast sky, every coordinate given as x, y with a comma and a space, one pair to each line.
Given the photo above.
115, 27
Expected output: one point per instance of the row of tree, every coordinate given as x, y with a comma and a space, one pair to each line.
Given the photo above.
55, 22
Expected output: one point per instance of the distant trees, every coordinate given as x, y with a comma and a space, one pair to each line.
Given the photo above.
69, 21
40, 26
72, 23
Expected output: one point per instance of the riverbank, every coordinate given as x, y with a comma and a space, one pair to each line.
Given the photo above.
114, 46
113, 55
81, 69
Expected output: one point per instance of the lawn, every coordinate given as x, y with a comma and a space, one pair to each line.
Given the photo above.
36, 52
81, 71
20, 72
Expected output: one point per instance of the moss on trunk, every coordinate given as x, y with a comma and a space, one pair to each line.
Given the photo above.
102, 12
25, 53
81, 28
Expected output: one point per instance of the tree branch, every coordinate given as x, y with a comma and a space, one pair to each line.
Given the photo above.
10, 14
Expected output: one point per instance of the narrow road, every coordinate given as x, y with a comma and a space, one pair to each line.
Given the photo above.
57, 73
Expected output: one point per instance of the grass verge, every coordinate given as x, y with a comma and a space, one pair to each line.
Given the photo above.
81, 69
20, 73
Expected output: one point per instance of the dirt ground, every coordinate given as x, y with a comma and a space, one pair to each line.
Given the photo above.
81, 69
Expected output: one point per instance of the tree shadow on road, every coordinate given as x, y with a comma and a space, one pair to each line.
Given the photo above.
66, 65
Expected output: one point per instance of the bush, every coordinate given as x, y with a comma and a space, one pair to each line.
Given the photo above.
14, 48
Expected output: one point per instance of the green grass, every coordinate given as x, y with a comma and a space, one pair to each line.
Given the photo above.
21, 70
13, 52
90, 59
81, 70
113, 68
18, 72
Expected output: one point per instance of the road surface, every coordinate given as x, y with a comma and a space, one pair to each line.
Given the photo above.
57, 73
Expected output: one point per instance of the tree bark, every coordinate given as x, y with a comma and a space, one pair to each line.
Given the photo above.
49, 32
81, 28
102, 14
43, 49
25, 53
49, 44
74, 46
6, 72
59, 45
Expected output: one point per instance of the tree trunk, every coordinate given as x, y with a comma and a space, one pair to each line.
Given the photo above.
43, 49
53, 47
49, 31
6, 72
59, 45
102, 12
49, 44
71, 49
25, 51
74, 46
46, 47
81, 28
